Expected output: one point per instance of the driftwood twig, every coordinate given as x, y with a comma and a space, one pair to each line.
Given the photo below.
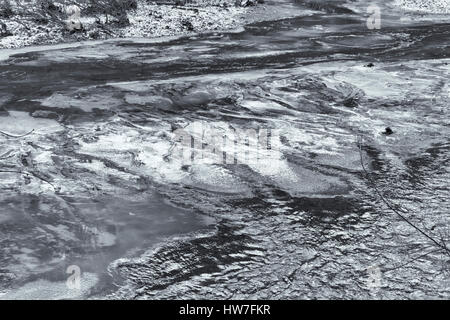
441, 246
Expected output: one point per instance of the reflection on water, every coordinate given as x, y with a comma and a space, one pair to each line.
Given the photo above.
305, 224
43, 236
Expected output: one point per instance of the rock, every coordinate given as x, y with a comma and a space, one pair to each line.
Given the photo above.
187, 24
94, 34
388, 131
74, 26
351, 102
73, 22
246, 3
370, 65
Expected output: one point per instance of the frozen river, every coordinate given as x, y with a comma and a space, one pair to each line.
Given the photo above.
98, 185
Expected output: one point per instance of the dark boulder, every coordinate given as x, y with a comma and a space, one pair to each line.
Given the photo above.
388, 131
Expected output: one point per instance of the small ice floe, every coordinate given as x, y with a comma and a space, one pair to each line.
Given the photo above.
20, 123
48, 290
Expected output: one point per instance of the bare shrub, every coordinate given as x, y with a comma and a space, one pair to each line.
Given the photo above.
4, 32
39, 11
53, 11
6, 9
115, 9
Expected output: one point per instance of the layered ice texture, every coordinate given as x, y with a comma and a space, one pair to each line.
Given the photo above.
99, 183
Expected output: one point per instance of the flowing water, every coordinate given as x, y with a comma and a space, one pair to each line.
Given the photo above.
97, 184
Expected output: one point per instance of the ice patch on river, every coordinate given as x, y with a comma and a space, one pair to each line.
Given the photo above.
305, 223
19, 123
48, 290
96, 101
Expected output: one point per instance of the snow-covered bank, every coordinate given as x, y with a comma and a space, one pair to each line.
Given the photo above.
150, 19
431, 6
